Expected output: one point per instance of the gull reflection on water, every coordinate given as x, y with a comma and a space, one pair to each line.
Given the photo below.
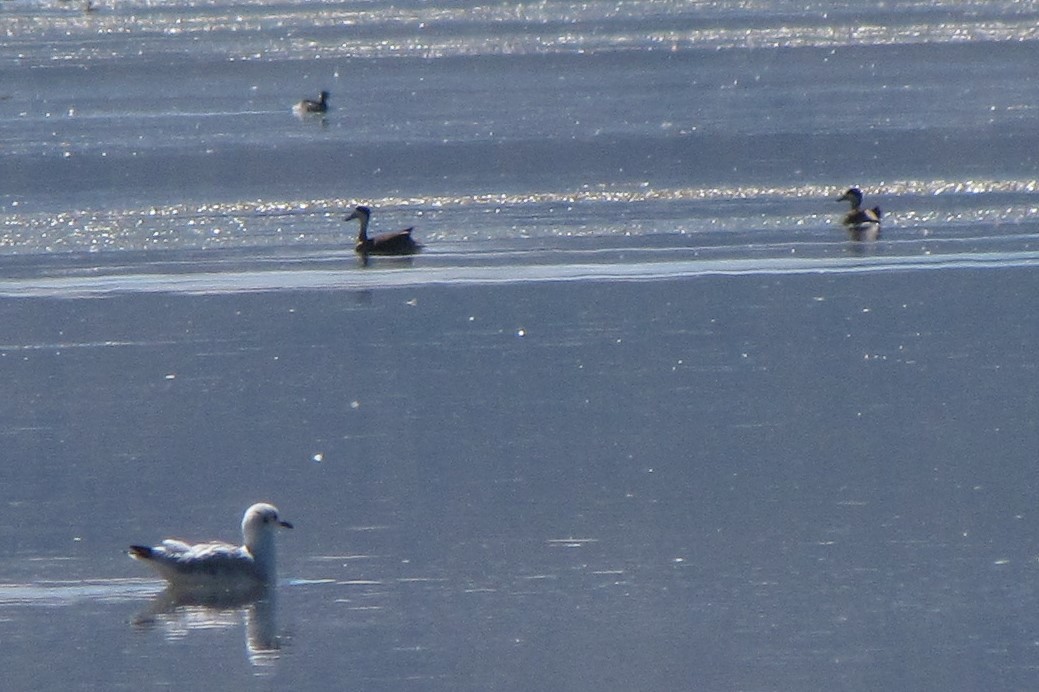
179, 613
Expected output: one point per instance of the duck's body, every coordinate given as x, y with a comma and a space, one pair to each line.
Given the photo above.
394, 243
862, 224
218, 566
311, 106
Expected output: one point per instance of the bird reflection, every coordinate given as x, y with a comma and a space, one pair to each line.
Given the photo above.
363, 261
178, 613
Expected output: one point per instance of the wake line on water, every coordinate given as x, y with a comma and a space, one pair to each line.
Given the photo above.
166, 115
364, 279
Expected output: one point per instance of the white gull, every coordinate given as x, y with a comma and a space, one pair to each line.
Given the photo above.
220, 566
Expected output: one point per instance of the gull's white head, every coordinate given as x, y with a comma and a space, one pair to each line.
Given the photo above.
258, 525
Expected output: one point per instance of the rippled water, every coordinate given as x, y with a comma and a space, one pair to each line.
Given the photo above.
148, 125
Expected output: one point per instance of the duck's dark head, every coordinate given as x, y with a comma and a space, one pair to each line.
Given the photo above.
359, 213
324, 96
853, 195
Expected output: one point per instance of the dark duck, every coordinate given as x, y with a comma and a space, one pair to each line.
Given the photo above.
862, 224
312, 106
394, 243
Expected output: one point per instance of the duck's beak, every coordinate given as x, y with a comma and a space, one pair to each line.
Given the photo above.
351, 217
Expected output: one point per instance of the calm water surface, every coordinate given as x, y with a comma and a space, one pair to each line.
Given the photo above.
746, 482
640, 417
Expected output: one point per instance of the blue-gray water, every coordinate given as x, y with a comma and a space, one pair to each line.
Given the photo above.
639, 417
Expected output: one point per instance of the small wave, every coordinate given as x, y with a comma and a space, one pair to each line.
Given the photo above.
64, 593
401, 275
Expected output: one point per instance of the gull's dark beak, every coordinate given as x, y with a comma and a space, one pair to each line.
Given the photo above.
285, 524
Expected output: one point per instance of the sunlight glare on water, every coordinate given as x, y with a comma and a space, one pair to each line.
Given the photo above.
332, 29
599, 211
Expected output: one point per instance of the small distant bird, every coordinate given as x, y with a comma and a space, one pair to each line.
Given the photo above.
216, 566
862, 224
394, 243
311, 106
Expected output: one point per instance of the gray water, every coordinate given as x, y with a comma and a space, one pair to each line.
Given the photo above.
745, 482
639, 417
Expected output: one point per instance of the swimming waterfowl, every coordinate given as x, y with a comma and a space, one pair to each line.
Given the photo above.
394, 243
312, 106
862, 224
217, 566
